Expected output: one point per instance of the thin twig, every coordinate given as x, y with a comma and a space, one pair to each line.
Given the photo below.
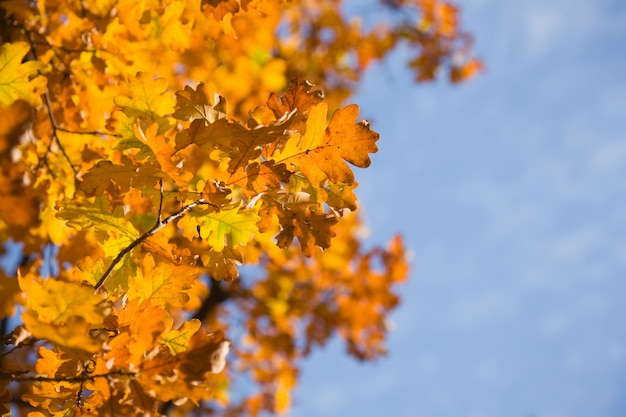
160, 224
90, 132
18, 376
55, 129
55, 126
160, 199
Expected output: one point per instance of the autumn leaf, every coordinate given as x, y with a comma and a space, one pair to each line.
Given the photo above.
219, 8
192, 104
205, 353
301, 96
140, 325
178, 340
20, 80
345, 140
107, 176
222, 265
298, 220
163, 284
55, 301
119, 232
146, 97
64, 313
227, 228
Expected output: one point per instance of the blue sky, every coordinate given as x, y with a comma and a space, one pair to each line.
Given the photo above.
511, 192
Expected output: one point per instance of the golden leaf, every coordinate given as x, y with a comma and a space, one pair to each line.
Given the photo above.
20, 80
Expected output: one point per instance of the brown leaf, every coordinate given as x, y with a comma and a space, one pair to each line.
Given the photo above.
219, 8
301, 95
298, 220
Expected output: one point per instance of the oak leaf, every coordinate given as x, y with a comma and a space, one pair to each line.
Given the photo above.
345, 140
301, 96
163, 283
118, 231
177, 340
146, 98
219, 8
192, 104
107, 176
227, 228
20, 80
298, 219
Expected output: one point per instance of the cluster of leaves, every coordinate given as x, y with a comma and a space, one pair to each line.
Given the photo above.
152, 191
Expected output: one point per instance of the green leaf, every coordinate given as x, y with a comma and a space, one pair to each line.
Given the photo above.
119, 232
227, 228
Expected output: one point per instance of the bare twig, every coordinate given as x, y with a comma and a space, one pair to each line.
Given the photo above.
21, 376
160, 199
90, 132
55, 129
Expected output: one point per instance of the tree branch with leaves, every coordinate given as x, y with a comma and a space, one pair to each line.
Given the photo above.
157, 148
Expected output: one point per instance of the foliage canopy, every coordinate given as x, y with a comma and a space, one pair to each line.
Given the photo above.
149, 150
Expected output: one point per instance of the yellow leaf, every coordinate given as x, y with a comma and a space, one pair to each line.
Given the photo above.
96, 215
64, 313
164, 284
72, 335
178, 340
55, 301
20, 80
145, 97
227, 228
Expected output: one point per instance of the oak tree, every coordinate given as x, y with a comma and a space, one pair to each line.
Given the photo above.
151, 151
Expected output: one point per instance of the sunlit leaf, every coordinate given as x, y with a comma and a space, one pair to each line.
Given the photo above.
20, 80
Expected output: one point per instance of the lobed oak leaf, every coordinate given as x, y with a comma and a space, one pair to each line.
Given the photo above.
301, 96
295, 151
340, 196
298, 219
347, 141
226, 228
235, 140
57, 398
20, 80
140, 325
56, 364
88, 270
177, 340
261, 177
216, 193
192, 104
222, 265
145, 97
97, 216
163, 283
219, 8
114, 178
72, 335
56, 301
